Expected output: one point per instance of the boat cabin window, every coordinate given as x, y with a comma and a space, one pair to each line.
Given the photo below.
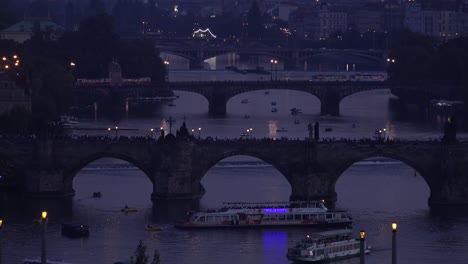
329, 216
298, 217
290, 217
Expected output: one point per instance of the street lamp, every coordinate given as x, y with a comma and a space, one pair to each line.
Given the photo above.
199, 133
275, 62
271, 69
193, 131
109, 130
250, 132
152, 131
394, 243
166, 62
43, 231
362, 236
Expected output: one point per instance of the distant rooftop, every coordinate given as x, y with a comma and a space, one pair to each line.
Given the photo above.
28, 25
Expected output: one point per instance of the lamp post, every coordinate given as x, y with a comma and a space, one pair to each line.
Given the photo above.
109, 130
166, 62
1, 224
362, 252
394, 244
116, 131
271, 69
43, 231
276, 70
250, 132
152, 132
193, 131
199, 133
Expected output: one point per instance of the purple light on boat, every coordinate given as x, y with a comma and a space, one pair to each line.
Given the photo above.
275, 210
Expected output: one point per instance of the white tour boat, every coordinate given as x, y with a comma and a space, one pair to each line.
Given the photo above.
326, 246
38, 261
237, 215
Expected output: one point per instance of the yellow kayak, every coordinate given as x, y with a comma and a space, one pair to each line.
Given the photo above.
128, 210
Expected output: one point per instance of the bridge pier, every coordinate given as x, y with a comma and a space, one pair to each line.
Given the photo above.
330, 104
450, 189
312, 186
217, 104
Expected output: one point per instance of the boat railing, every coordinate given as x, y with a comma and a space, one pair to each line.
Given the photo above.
259, 205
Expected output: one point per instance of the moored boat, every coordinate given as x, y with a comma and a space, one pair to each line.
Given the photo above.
127, 209
150, 227
326, 246
38, 261
238, 215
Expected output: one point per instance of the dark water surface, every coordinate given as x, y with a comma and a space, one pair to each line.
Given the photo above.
376, 191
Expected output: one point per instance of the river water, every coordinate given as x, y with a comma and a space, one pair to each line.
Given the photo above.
376, 191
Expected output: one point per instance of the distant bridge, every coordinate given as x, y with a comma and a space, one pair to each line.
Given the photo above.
218, 93
197, 52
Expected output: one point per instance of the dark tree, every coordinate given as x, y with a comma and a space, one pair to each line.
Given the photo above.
254, 20
140, 254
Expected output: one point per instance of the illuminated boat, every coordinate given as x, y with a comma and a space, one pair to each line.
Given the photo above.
38, 261
326, 246
238, 215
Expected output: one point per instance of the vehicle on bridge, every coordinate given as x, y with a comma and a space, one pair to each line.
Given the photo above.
252, 215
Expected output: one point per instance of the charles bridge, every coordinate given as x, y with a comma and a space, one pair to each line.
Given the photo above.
218, 93
175, 166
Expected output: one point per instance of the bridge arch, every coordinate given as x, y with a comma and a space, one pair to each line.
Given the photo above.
418, 170
264, 175
85, 161
307, 101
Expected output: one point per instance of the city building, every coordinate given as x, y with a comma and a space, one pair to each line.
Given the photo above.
22, 31
440, 24
317, 22
12, 95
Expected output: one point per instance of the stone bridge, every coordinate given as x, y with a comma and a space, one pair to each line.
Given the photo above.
330, 94
218, 93
197, 52
175, 167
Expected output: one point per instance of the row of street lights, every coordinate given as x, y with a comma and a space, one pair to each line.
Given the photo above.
116, 129
362, 240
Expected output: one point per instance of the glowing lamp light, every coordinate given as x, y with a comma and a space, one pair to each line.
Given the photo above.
44, 215
4, 58
394, 226
161, 128
308, 236
1, 223
116, 127
362, 234
15, 56
7, 67
199, 129
72, 64
152, 130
